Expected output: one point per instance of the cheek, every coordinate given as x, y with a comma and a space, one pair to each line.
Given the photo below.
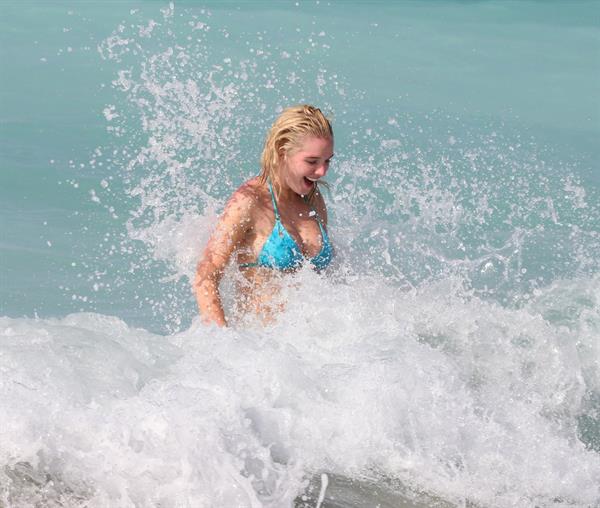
297, 167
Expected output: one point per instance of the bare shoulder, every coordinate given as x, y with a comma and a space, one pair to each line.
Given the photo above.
246, 194
320, 206
243, 202
234, 224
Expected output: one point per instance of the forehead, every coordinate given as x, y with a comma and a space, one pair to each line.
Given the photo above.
315, 146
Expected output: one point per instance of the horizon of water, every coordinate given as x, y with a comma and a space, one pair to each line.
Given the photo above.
450, 357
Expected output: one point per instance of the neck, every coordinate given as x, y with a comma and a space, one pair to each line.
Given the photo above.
287, 195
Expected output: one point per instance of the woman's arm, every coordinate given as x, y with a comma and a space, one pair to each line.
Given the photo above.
229, 234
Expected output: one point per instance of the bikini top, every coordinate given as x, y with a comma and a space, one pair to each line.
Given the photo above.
280, 251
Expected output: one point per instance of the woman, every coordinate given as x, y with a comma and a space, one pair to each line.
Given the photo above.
275, 222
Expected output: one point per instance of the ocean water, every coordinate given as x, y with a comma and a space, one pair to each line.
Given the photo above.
451, 355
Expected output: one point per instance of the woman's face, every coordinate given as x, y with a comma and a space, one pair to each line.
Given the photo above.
305, 164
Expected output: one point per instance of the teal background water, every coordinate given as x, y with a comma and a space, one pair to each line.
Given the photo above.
462, 313
528, 70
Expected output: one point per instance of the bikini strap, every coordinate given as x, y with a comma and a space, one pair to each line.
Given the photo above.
274, 202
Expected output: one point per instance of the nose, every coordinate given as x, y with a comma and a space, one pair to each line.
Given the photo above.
322, 169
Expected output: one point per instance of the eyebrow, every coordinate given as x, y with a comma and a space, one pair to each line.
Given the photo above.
317, 157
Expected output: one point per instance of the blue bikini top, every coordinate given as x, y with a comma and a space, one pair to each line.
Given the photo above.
280, 251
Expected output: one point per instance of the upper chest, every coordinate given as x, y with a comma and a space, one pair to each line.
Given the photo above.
298, 219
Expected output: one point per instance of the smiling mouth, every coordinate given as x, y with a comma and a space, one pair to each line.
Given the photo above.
310, 180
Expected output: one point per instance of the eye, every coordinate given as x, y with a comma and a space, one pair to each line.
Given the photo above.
312, 163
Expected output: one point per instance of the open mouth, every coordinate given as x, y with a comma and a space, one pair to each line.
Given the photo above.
309, 181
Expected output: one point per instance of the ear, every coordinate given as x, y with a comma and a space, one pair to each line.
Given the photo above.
281, 155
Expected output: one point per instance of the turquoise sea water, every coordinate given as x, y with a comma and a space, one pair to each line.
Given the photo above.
451, 355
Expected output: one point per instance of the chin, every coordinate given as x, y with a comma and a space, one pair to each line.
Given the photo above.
308, 187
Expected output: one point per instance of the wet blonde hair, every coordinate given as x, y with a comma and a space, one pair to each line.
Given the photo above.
288, 131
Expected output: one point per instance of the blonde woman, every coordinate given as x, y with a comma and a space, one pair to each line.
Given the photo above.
275, 222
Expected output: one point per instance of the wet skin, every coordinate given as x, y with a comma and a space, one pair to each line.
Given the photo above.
248, 221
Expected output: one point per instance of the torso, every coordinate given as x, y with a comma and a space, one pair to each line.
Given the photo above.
297, 217
259, 287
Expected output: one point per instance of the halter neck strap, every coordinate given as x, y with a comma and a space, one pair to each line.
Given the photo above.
274, 202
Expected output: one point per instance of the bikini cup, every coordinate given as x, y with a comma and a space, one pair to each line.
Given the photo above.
281, 252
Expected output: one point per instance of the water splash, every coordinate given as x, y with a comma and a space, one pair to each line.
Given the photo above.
456, 334
431, 392
413, 199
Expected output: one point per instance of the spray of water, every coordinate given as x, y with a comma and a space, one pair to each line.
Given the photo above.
450, 353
